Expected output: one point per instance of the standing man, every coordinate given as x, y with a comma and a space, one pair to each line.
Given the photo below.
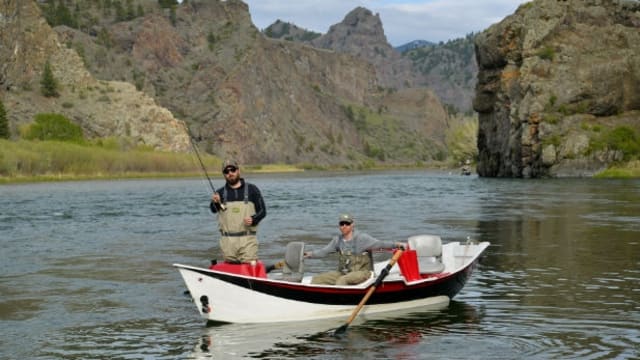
354, 254
240, 209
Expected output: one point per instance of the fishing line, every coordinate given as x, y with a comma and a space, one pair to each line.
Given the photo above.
195, 149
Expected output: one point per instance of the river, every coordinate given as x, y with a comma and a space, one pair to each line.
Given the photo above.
86, 267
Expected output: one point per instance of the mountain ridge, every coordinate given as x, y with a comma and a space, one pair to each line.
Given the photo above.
448, 69
241, 94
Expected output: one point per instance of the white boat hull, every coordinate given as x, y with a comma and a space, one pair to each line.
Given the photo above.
233, 298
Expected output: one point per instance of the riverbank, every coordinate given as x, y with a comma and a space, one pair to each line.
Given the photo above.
46, 161
625, 171
213, 175
25, 161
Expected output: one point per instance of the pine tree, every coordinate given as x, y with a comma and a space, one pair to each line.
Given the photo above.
49, 85
4, 123
168, 3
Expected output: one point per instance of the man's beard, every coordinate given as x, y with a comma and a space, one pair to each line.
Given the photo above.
233, 181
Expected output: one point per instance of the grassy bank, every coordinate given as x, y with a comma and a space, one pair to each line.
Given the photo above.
38, 161
627, 171
26, 161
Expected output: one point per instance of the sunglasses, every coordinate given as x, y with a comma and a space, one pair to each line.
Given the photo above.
230, 169
345, 223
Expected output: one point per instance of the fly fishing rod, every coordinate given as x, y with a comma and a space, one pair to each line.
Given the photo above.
195, 149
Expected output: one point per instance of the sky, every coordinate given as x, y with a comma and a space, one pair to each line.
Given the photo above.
403, 20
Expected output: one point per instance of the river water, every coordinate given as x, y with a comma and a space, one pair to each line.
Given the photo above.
86, 267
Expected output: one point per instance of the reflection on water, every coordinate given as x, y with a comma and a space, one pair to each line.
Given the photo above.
86, 267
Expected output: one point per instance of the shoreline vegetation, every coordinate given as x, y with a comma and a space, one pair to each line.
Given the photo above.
25, 161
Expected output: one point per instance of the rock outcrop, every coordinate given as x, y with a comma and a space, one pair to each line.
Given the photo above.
552, 78
360, 33
101, 108
448, 69
242, 94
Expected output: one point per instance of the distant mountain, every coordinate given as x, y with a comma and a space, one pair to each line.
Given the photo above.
413, 45
448, 69
361, 33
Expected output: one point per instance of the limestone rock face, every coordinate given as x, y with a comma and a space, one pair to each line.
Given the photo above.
552, 77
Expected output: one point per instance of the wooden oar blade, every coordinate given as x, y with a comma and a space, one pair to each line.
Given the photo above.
341, 330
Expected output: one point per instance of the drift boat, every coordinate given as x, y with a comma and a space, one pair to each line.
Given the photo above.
426, 276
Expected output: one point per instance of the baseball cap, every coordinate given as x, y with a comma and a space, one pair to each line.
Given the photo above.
228, 163
345, 217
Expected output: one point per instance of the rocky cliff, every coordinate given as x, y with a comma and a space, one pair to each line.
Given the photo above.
241, 94
554, 79
448, 69
102, 108
361, 34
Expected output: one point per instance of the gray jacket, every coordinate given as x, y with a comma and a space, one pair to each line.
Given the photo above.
360, 243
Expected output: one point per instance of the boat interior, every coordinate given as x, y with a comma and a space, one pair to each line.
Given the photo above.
426, 258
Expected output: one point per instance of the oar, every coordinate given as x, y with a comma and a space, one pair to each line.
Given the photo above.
342, 329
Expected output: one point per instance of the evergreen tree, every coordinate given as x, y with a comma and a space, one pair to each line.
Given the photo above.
121, 13
59, 15
4, 123
49, 84
130, 10
172, 16
168, 3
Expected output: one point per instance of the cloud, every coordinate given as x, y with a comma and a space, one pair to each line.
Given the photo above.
403, 20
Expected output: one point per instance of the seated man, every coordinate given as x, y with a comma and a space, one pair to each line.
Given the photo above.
354, 253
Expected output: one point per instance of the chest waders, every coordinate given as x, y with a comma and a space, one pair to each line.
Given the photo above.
348, 262
352, 269
238, 242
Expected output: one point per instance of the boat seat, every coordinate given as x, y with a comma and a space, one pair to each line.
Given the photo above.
429, 251
293, 268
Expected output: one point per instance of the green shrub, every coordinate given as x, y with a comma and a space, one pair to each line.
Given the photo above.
211, 40
551, 118
621, 138
546, 53
625, 139
53, 127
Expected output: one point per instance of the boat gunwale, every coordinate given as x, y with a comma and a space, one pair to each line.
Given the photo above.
392, 278
393, 289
